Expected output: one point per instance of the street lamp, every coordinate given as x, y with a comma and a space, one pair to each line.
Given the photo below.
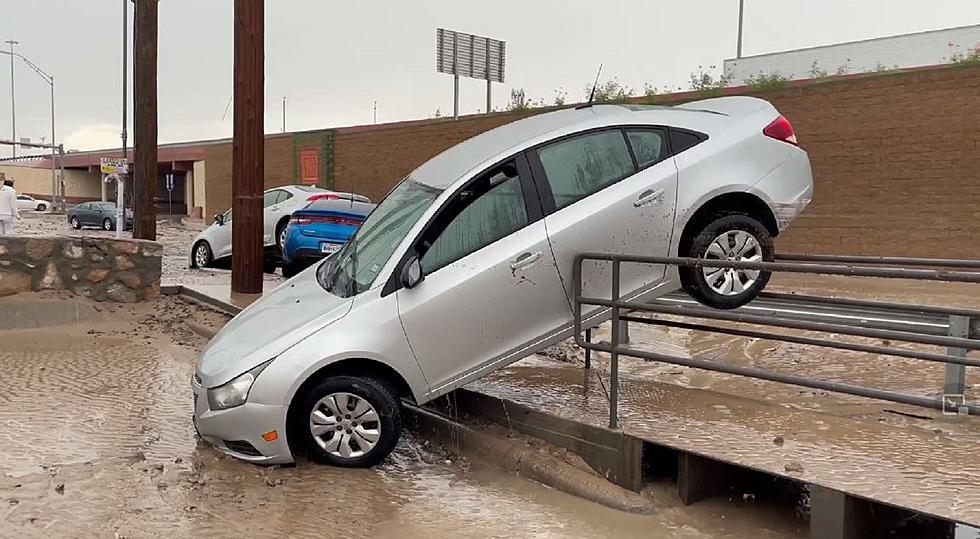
50, 80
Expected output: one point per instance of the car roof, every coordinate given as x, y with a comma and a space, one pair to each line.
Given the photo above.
444, 169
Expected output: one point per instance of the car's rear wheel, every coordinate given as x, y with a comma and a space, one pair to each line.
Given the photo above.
349, 421
281, 236
107, 224
74, 222
729, 237
202, 255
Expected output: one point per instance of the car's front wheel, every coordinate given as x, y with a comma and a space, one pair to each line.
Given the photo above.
107, 224
349, 421
41, 207
75, 223
202, 255
732, 237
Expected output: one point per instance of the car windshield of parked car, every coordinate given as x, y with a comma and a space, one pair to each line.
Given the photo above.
357, 265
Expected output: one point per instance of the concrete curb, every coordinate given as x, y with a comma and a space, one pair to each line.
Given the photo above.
511, 457
201, 330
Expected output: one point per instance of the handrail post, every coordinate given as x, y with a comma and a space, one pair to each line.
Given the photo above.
959, 326
614, 354
588, 351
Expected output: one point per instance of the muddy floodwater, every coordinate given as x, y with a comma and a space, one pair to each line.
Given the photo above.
96, 441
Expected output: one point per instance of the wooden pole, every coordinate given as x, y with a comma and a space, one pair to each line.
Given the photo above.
248, 151
145, 121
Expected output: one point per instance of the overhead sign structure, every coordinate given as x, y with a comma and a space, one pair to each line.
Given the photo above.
113, 165
468, 55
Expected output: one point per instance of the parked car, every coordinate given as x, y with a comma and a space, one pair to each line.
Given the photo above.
214, 243
466, 267
27, 202
100, 214
319, 230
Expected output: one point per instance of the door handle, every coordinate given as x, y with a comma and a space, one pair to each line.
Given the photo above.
648, 196
525, 261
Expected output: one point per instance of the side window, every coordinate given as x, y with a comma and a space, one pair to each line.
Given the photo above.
227, 217
487, 210
682, 140
284, 196
578, 167
23, 197
649, 145
270, 198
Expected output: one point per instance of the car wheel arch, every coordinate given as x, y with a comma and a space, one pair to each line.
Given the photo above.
280, 226
744, 202
353, 366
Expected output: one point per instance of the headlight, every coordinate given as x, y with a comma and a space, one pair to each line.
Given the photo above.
235, 392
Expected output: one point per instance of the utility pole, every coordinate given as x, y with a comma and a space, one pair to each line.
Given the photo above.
375, 111
121, 180
283, 114
248, 147
741, 10
13, 101
145, 121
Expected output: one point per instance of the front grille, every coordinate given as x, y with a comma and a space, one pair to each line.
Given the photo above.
243, 447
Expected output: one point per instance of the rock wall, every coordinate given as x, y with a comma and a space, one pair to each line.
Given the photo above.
103, 269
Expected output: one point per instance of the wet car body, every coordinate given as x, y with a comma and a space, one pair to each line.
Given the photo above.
466, 267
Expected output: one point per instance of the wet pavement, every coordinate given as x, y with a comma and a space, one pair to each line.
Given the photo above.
96, 441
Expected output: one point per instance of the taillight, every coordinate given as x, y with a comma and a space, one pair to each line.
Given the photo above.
330, 196
781, 129
322, 219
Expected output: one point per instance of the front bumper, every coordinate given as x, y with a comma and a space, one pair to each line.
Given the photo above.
244, 423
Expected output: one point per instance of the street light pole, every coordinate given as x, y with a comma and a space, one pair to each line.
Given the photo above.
50, 80
13, 102
741, 10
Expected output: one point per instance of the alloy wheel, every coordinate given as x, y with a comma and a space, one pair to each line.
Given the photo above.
107, 224
733, 246
201, 256
345, 425
74, 223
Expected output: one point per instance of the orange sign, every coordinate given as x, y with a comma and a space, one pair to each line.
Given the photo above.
309, 167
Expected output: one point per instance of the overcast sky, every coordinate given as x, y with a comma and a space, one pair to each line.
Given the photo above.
333, 59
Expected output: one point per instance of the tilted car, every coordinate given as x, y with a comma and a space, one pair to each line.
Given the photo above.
27, 202
214, 242
319, 230
466, 267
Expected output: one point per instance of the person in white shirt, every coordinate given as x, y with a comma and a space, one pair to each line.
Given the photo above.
8, 208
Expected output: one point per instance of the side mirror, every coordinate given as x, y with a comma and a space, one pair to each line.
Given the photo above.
412, 273
219, 219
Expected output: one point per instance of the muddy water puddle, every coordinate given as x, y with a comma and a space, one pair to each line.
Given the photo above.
96, 441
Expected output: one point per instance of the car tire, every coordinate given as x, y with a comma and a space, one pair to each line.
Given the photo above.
728, 236
74, 222
107, 224
42, 207
202, 255
281, 236
328, 426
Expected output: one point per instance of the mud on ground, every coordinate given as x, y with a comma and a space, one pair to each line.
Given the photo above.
96, 441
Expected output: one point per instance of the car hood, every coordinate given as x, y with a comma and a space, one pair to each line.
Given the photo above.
270, 326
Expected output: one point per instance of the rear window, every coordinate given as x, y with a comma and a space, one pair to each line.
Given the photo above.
682, 140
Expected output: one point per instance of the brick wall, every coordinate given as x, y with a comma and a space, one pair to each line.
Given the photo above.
896, 160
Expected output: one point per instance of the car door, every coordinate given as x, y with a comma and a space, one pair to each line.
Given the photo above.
271, 212
89, 215
25, 202
491, 286
221, 237
608, 191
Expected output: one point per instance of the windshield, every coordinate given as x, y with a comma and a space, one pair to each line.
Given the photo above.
357, 265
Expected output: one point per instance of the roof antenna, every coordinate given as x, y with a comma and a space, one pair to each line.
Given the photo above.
592, 94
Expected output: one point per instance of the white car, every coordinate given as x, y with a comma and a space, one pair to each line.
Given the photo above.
213, 244
27, 202
467, 266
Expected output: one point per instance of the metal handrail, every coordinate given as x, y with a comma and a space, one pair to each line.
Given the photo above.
955, 359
